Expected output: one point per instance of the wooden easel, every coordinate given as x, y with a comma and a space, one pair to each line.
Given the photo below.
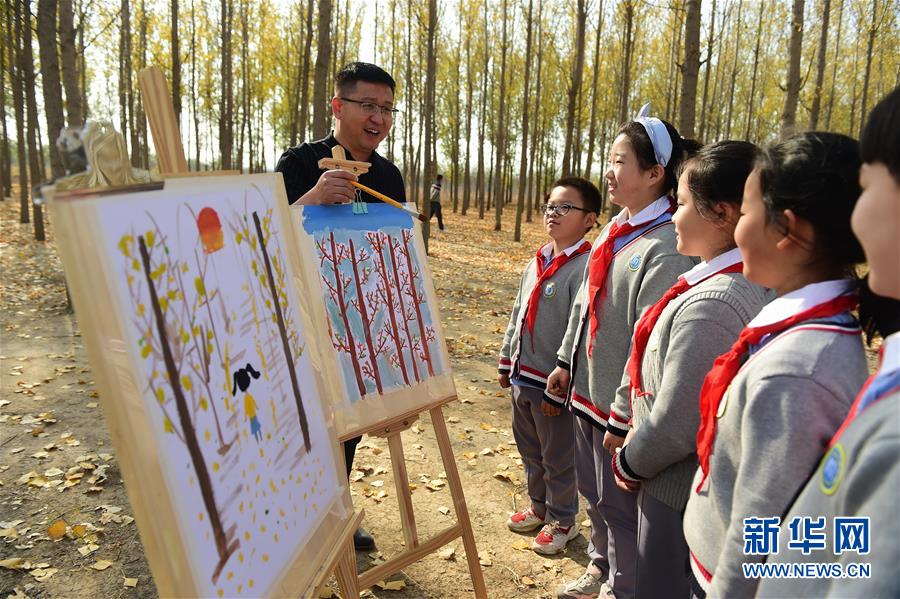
416, 549
341, 559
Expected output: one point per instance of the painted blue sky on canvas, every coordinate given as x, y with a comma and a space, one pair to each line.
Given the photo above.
340, 216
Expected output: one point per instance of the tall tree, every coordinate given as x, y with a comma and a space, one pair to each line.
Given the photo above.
523, 163
874, 22
592, 129
792, 91
835, 62
470, 90
627, 55
734, 70
176, 64
575, 84
482, 119
759, 30
125, 70
323, 60
500, 139
17, 80
428, 116
5, 158
226, 103
195, 91
68, 58
820, 67
50, 83
708, 66
690, 69
35, 168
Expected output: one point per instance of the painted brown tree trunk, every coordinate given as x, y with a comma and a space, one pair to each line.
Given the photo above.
690, 70
279, 318
792, 93
414, 296
364, 316
343, 308
379, 241
204, 482
404, 313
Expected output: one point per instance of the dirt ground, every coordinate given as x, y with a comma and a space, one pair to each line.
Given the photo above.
57, 462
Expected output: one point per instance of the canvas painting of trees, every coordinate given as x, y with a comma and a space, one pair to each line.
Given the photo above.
381, 318
219, 352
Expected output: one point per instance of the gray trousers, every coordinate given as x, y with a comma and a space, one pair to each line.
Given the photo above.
548, 454
662, 553
614, 527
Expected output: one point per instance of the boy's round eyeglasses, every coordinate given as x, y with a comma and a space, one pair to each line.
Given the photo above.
560, 209
371, 108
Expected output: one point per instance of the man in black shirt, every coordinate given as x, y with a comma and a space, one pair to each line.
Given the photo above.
363, 108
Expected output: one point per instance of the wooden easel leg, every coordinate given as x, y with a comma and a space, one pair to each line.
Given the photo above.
459, 501
346, 573
404, 497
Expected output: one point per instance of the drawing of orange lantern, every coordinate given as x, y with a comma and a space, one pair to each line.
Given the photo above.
210, 230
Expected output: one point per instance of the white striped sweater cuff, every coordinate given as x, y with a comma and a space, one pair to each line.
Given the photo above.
616, 424
622, 469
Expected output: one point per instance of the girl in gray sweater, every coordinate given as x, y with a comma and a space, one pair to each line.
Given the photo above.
769, 406
674, 346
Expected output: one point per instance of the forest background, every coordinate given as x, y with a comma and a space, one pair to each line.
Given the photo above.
502, 96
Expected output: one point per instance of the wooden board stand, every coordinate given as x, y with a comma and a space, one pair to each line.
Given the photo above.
342, 559
415, 548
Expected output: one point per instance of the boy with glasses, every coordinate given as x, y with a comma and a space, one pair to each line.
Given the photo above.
544, 432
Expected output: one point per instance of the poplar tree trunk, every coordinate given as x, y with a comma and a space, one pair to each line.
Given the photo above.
592, 130
789, 114
5, 159
176, 65
734, 68
523, 166
873, 29
16, 78
574, 85
428, 119
53, 102
480, 175
627, 50
195, 91
835, 61
820, 67
125, 70
532, 191
690, 69
304, 73
226, 103
323, 59
470, 87
759, 27
500, 138
69, 61
31, 133
704, 116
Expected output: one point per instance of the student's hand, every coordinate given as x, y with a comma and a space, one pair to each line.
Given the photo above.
558, 381
612, 442
627, 485
503, 379
628, 437
548, 409
333, 187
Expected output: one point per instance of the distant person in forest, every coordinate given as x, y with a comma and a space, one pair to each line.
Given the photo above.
363, 108
542, 429
436, 200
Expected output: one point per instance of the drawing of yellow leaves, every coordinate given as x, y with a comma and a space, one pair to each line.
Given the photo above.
186, 382
140, 309
198, 285
145, 351
125, 245
204, 405
149, 237
160, 395
168, 426
238, 238
135, 265
163, 303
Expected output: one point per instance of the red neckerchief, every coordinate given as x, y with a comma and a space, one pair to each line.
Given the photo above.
648, 321
543, 273
727, 365
599, 267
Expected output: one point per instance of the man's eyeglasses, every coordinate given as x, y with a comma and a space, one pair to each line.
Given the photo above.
560, 209
371, 108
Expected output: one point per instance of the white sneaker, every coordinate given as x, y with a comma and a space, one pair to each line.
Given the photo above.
553, 538
586, 587
524, 521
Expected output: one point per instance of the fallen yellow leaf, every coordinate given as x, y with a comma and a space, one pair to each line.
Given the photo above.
57, 530
101, 564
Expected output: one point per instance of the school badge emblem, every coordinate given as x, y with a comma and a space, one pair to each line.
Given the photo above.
635, 262
832, 468
550, 289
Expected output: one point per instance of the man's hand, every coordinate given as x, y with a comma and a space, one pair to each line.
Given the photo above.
558, 381
333, 187
548, 409
612, 442
503, 379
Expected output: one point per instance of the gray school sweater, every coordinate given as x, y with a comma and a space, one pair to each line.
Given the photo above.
641, 271
692, 331
778, 416
530, 357
863, 479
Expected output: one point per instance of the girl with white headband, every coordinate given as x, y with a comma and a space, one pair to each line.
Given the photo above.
633, 263
674, 346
